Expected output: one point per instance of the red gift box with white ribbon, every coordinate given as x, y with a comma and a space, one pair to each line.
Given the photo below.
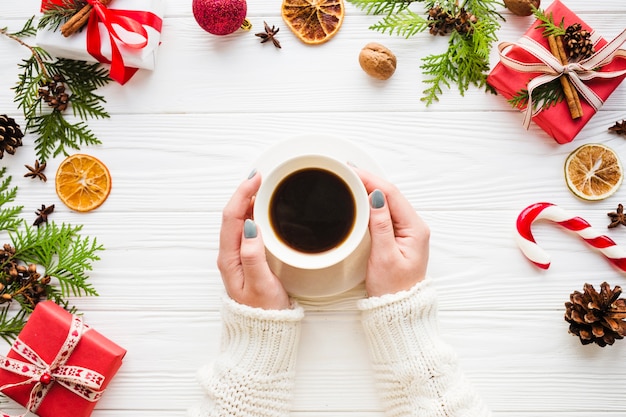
125, 34
58, 366
529, 63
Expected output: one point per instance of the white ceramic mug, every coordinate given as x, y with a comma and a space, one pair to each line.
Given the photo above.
317, 274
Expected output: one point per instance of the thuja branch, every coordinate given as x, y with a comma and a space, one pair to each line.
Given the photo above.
47, 87
471, 27
47, 262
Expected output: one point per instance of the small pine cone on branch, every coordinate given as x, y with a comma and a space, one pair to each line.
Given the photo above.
441, 21
10, 135
464, 22
597, 317
578, 42
53, 92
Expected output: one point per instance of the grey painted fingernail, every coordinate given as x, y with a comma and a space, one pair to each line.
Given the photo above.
249, 229
378, 199
252, 174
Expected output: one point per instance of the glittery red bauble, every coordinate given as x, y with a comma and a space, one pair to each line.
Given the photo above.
220, 17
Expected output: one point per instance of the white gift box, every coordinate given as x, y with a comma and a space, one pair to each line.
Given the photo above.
75, 46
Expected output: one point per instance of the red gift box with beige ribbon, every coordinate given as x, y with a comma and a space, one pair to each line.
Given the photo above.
58, 366
123, 33
529, 63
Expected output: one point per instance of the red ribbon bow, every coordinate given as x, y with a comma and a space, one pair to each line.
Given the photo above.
130, 21
81, 381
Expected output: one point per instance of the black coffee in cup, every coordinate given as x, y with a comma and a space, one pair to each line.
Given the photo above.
312, 210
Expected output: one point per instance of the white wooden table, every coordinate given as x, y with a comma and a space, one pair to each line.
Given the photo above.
181, 138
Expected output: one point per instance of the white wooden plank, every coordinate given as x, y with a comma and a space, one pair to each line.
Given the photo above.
182, 137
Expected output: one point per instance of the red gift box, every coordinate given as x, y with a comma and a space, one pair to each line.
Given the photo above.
126, 38
47, 4
556, 120
58, 367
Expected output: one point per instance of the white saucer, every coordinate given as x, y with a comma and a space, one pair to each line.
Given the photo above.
319, 144
315, 287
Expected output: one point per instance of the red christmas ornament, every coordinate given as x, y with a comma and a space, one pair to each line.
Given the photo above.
220, 17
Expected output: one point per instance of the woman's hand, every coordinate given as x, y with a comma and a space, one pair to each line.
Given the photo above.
241, 259
400, 239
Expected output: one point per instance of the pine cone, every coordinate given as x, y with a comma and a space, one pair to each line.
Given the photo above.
597, 317
10, 135
578, 42
464, 22
53, 93
442, 22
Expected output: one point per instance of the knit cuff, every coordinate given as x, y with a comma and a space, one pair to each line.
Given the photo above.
417, 372
261, 340
254, 374
398, 324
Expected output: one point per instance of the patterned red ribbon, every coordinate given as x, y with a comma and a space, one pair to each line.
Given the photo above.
551, 68
81, 381
130, 21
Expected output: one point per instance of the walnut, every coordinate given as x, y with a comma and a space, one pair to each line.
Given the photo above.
522, 7
377, 61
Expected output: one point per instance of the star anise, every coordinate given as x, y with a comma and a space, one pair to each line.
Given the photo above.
617, 217
269, 35
36, 171
42, 214
619, 128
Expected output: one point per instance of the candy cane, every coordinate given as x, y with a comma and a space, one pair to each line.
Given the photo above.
549, 211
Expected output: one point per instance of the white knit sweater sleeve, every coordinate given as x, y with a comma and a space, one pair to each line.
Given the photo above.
417, 372
253, 376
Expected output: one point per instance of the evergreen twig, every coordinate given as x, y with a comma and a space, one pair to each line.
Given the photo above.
46, 262
466, 61
544, 96
8, 215
549, 94
56, 15
54, 133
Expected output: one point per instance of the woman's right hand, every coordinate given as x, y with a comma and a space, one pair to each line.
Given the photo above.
400, 239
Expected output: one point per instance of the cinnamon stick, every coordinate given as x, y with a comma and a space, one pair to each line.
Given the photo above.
78, 20
571, 94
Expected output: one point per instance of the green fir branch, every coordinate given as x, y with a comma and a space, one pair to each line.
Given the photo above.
547, 24
405, 23
56, 15
8, 215
380, 7
11, 322
62, 252
549, 94
466, 61
544, 96
54, 133
27, 30
46, 262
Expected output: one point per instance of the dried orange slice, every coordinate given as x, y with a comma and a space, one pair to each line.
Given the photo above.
83, 182
313, 21
593, 172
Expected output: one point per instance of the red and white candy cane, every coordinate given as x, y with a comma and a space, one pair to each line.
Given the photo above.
548, 211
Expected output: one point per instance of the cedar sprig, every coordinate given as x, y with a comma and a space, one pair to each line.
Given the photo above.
9, 216
61, 254
54, 133
549, 27
55, 15
465, 63
544, 96
549, 94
